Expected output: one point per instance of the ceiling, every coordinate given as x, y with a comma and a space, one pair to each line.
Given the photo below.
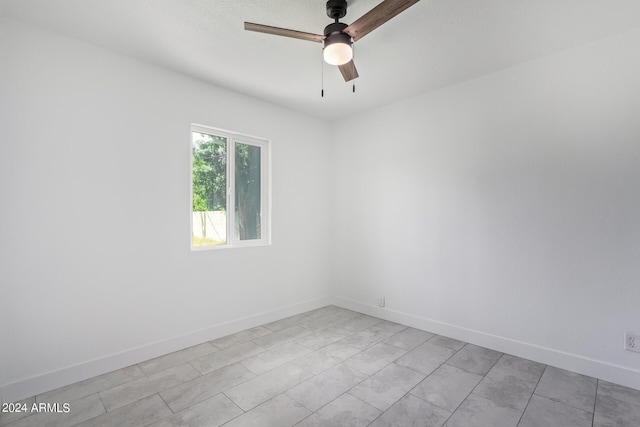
433, 44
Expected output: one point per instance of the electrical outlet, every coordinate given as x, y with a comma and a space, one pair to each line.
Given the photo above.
381, 303
632, 342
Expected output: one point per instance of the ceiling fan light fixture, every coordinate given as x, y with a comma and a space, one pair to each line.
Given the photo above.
337, 45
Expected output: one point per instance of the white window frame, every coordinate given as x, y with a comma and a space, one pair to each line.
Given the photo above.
265, 187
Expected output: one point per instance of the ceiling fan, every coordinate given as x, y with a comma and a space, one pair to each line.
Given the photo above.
338, 38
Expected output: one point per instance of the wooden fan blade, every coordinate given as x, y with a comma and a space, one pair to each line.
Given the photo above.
348, 71
250, 26
376, 17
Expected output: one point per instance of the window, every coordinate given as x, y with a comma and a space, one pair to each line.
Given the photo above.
229, 172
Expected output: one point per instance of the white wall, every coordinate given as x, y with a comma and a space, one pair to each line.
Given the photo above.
511, 206
93, 138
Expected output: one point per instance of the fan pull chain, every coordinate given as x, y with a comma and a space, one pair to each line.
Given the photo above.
322, 73
353, 49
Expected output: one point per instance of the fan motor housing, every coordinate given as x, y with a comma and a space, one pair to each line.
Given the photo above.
335, 28
334, 34
336, 9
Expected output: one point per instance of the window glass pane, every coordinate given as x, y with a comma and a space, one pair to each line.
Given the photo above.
209, 190
247, 192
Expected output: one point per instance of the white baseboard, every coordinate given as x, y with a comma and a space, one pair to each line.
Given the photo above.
572, 362
49, 381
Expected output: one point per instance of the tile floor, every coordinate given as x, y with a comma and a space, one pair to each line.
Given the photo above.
335, 367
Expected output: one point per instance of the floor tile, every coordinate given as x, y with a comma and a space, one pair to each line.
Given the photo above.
569, 388
326, 357
285, 323
425, 358
135, 390
408, 338
375, 358
176, 358
411, 411
611, 412
212, 412
320, 339
198, 389
449, 343
140, 413
478, 412
372, 335
298, 319
258, 390
474, 359
359, 323
226, 357
329, 321
346, 410
240, 337
618, 392
387, 386
390, 327
336, 330
80, 410
446, 387
325, 311
533, 369
507, 386
92, 385
321, 389
281, 411
275, 357
543, 412
284, 336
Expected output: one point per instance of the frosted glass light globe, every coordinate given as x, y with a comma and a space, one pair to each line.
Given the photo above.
338, 53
